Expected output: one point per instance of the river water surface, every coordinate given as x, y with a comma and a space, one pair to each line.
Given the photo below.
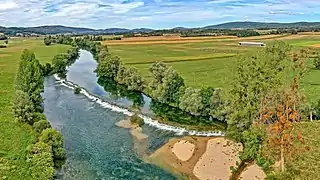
97, 148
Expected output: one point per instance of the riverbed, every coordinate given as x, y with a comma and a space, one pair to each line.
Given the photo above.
96, 147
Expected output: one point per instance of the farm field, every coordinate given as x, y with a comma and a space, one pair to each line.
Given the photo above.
14, 138
208, 61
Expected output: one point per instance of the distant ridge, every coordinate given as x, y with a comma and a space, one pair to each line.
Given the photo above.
58, 29
256, 25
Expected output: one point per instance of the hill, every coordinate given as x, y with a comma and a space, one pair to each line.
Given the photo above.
261, 25
58, 29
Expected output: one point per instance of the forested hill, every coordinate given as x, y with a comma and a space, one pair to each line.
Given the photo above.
57, 29
261, 25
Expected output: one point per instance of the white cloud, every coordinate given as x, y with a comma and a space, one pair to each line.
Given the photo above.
7, 5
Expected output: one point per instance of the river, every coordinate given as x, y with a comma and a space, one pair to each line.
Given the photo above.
97, 148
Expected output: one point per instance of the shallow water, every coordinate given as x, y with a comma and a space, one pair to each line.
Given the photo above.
97, 148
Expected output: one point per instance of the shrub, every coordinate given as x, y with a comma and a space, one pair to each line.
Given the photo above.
3, 46
23, 108
316, 62
47, 69
77, 90
55, 140
41, 162
47, 41
135, 119
41, 125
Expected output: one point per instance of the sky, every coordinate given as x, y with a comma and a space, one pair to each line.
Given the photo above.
157, 14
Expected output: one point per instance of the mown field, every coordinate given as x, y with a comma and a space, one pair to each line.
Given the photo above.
14, 137
209, 61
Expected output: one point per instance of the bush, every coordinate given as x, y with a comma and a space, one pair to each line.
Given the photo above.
47, 69
47, 41
77, 90
54, 138
135, 119
3, 46
41, 125
316, 62
23, 108
6, 41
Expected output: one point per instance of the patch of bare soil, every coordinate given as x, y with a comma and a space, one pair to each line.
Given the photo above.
219, 156
183, 150
253, 172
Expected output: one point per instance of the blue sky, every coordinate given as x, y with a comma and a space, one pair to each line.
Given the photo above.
153, 13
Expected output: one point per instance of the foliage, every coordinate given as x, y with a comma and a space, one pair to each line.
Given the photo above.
103, 53
3, 46
47, 69
316, 62
41, 125
77, 90
255, 76
130, 78
135, 119
47, 41
30, 78
109, 67
6, 41
23, 108
59, 63
53, 138
191, 101
165, 84
41, 161
72, 55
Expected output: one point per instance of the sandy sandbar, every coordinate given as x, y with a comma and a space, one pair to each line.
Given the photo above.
183, 150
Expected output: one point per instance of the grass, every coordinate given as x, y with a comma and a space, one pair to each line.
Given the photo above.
211, 63
14, 137
306, 165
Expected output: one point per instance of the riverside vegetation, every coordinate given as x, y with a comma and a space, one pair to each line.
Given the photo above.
263, 109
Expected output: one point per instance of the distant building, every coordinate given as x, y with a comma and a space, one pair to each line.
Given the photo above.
172, 34
251, 44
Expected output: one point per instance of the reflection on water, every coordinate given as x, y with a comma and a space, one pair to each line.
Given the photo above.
96, 147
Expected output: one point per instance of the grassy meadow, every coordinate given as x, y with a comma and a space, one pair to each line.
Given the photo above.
14, 137
211, 61
200, 61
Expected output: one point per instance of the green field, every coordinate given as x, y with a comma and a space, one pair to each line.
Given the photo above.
200, 64
210, 63
14, 138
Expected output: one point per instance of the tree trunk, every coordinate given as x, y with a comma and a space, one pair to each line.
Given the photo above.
310, 115
282, 159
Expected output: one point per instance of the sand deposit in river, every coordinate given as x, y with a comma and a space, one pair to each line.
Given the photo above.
183, 150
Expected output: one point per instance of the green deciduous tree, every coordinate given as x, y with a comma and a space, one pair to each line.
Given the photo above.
30, 78
191, 101
72, 55
54, 138
316, 62
130, 78
109, 67
59, 63
41, 161
23, 108
103, 53
255, 76
47, 41
166, 83
41, 125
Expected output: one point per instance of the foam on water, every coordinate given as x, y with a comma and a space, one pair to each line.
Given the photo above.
149, 121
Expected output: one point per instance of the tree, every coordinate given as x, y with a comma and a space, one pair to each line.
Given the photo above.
130, 78
109, 67
23, 108
103, 53
59, 63
41, 161
6, 41
316, 62
256, 76
72, 55
30, 78
191, 101
157, 70
165, 84
47, 69
41, 125
47, 41
54, 138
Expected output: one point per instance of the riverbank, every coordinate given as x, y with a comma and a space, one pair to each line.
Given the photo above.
202, 158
